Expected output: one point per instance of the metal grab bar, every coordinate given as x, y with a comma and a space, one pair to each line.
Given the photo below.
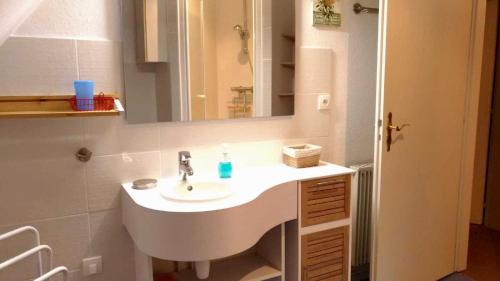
22, 256
360, 9
36, 234
61, 269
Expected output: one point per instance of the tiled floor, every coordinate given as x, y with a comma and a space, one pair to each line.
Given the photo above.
484, 254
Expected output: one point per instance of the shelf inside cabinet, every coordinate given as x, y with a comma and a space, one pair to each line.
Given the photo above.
49, 106
289, 37
288, 64
250, 267
286, 95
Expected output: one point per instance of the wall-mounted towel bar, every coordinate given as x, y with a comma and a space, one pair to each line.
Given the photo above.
37, 250
360, 9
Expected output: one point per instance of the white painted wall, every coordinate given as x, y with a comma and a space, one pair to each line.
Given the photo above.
13, 13
76, 205
361, 82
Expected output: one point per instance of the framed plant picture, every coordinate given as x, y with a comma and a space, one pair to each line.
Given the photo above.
326, 12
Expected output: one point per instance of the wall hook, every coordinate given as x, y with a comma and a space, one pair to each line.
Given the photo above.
83, 154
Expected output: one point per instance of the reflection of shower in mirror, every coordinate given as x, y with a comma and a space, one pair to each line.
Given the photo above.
220, 59
245, 35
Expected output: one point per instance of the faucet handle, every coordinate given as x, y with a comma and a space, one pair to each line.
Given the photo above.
184, 156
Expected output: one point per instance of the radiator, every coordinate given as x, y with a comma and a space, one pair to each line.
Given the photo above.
362, 187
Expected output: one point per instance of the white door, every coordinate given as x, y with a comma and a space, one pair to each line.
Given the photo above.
423, 81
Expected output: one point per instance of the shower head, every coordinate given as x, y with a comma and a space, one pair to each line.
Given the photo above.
241, 31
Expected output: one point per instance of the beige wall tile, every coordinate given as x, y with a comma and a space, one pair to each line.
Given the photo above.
105, 174
110, 240
40, 139
67, 236
205, 159
41, 179
315, 69
174, 135
39, 189
107, 136
309, 121
36, 66
74, 275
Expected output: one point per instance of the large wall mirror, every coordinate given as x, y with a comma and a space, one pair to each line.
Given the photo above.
188, 60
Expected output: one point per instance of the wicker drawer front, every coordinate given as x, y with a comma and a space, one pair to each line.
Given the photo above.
325, 200
325, 255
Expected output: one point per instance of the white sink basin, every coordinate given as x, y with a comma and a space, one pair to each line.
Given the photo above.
192, 190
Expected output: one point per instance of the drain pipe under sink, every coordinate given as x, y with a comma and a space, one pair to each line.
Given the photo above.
202, 269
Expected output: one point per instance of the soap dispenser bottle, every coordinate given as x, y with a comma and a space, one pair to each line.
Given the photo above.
225, 165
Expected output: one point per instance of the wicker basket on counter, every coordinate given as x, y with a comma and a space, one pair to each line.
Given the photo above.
301, 155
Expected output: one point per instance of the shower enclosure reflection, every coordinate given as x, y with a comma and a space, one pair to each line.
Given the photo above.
220, 58
215, 59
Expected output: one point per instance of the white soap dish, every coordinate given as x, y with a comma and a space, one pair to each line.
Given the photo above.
143, 184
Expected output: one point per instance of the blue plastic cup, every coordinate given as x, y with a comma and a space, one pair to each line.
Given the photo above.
84, 90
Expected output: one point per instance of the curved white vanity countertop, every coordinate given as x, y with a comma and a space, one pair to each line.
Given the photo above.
199, 231
248, 184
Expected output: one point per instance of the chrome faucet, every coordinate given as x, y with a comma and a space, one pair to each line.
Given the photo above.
185, 168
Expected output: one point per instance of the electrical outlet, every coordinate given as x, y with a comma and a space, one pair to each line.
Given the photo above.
92, 266
323, 102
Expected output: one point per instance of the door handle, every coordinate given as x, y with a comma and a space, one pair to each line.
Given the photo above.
390, 128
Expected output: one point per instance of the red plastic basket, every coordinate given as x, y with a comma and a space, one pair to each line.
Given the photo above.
98, 103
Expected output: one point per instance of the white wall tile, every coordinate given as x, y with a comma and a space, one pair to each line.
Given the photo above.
105, 174
89, 19
34, 66
101, 61
107, 136
67, 236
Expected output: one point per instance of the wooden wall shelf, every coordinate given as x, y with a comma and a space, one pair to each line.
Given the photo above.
48, 106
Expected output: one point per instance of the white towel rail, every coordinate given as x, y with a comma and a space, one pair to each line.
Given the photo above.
58, 270
27, 254
36, 236
37, 250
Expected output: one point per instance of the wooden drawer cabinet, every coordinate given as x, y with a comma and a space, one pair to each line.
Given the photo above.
325, 200
325, 255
